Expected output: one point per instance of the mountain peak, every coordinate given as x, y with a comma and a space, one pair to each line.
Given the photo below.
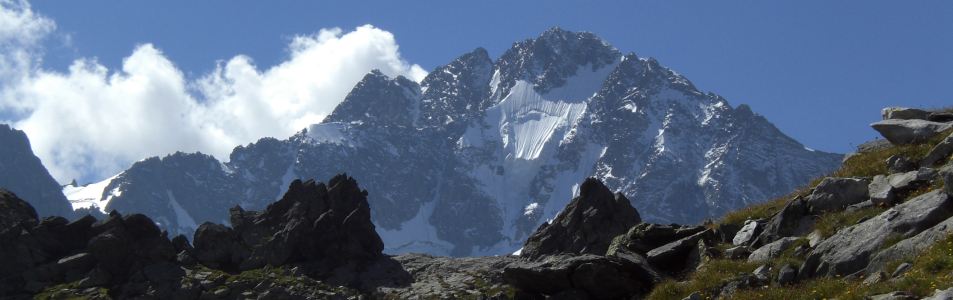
379, 100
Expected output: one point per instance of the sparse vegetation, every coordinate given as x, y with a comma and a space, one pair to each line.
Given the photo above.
830, 223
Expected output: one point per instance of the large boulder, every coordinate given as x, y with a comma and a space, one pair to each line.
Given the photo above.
325, 226
904, 113
946, 173
644, 237
911, 246
938, 153
850, 249
902, 132
836, 193
586, 226
748, 232
675, 257
597, 277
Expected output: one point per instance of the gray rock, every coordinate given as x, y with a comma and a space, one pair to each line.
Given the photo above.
787, 274
814, 238
941, 295
850, 249
874, 145
837, 193
644, 237
898, 295
586, 226
671, 257
792, 220
911, 246
762, 273
748, 232
881, 192
904, 113
941, 151
902, 132
902, 268
900, 164
693, 296
772, 250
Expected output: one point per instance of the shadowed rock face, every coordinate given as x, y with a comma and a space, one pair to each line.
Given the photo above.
25, 175
586, 226
325, 225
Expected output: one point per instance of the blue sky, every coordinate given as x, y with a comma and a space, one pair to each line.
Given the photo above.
820, 70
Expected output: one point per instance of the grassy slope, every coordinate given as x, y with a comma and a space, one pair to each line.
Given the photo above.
931, 270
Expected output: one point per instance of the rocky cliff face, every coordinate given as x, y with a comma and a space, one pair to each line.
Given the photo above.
22, 173
475, 157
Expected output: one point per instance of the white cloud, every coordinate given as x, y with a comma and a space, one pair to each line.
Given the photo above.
91, 122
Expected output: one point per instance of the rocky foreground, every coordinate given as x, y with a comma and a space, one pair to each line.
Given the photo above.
879, 228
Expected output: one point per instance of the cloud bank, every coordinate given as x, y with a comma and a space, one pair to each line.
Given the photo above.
91, 122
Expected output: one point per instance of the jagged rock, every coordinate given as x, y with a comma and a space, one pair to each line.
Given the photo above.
942, 117
599, 276
904, 113
326, 226
941, 295
644, 237
938, 153
744, 281
881, 191
24, 174
793, 220
902, 268
837, 193
814, 238
671, 257
440, 277
14, 212
884, 190
902, 132
898, 295
850, 249
693, 296
911, 246
772, 250
900, 164
787, 274
586, 226
748, 232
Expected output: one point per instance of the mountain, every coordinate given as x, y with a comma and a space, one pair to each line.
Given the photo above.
471, 160
22, 173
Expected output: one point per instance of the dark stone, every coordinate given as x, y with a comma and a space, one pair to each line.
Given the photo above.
15, 213
793, 220
900, 164
600, 277
671, 257
837, 193
787, 274
942, 117
586, 226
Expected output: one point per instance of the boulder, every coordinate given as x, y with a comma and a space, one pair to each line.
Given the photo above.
762, 273
14, 212
748, 232
600, 277
787, 274
772, 250
881, 192
898, 295
904, 113
671, 257
938, 153
902, 132
792, 220
886, 190
902, 268
850, 249
587, 225
911, 246
837, 193
900, 164
644, 237
219, 247
737, 252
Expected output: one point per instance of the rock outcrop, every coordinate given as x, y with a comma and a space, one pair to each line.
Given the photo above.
850, 249
902, 132
837, 193
582, 276
586, 226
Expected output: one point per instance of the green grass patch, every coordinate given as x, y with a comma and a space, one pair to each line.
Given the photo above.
708, 280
